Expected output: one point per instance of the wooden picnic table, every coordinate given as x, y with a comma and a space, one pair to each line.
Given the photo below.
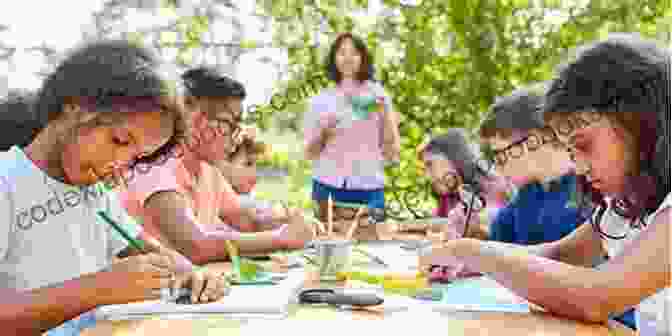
303, 319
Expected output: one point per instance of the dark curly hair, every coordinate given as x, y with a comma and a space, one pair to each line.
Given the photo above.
111, 77
17, 119
627, 79
210, 82
366, 69
520, 110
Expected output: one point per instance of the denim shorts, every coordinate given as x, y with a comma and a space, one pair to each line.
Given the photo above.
372, 198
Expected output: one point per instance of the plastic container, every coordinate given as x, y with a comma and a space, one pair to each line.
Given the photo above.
333, 258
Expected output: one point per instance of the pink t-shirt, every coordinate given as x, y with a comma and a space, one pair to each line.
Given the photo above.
208, 197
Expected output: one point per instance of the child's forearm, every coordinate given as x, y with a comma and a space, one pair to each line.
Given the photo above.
558, 287
36, 311
259, 242
271, 218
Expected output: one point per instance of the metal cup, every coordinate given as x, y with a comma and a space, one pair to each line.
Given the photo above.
333, 257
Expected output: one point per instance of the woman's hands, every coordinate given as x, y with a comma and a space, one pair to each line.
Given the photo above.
328, 124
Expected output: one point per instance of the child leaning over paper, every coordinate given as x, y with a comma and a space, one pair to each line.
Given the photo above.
187, 202
106, 107
254, 215
457, 176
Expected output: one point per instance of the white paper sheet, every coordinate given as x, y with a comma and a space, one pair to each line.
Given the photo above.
266, 300
393, 255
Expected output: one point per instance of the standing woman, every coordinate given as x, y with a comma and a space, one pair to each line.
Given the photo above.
350, 132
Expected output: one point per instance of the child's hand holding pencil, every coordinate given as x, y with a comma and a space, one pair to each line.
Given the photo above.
155, 268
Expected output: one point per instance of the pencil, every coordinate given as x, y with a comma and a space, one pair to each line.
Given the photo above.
330, 216
235, 257
354, 224
319, 224
136, 243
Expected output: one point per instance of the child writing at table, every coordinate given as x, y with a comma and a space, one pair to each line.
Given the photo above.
186, 202
452, 165
103, 107
241, 167
457, 173
531, 157
611, 107
240, 171
537, 164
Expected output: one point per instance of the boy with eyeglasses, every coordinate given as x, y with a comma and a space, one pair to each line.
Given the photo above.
529, 155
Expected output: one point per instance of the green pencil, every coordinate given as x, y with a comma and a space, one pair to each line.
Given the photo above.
136, 243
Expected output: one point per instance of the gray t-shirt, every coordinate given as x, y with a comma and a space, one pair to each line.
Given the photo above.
50, 232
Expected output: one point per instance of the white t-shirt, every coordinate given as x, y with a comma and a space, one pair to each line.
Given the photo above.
51, 233
654, 314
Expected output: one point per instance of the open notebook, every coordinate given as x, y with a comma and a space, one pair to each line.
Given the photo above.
268, 301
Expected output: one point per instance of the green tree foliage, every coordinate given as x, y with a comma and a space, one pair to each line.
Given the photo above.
445, 61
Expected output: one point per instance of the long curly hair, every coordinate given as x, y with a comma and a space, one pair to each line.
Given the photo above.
474, 172
112, 77
627, 79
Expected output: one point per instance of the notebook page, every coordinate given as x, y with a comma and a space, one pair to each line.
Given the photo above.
246, 300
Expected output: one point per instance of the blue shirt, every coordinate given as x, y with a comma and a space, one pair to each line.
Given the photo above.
536, 215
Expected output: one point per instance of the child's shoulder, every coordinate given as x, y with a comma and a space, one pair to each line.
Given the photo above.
8, 163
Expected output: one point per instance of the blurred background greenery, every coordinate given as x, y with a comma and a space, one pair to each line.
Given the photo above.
443, 62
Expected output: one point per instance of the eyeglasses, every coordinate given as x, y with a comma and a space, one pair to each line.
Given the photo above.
564, 128
516, 150
226, 127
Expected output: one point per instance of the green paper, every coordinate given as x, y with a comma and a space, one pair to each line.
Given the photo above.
349, 205
260, 278
248, 270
